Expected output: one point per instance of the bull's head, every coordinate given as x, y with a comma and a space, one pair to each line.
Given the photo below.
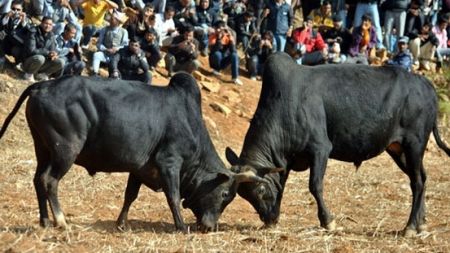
265, 196
211, 196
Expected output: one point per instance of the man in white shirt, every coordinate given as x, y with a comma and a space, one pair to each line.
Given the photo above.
165, 26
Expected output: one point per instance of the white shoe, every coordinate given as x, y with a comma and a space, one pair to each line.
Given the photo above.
237, 82
216, 73
42, 77
28, 77
253, 78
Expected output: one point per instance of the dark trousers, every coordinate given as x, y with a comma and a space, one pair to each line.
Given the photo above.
218, 61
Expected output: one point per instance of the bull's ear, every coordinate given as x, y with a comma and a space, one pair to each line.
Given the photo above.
265, 171
248, 176
231, 156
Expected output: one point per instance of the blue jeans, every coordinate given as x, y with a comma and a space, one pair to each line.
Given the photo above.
372, 10
218, 61
280, 40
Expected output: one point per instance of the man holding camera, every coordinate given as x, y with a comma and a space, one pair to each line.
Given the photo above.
338, 39
223, 52
183, 52
310, 48
14, 26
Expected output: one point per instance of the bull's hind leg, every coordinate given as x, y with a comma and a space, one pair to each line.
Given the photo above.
43, 165
40, 177
131, 193
411, 163
62, 160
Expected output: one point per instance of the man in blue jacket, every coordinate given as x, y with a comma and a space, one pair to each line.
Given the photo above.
279, 21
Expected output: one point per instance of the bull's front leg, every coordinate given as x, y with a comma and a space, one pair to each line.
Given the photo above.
317, 173
170, 176
131, 193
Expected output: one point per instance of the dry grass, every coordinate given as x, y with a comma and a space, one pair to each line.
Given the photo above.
371, 205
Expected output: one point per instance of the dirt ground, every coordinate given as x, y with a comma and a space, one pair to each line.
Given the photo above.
371, 205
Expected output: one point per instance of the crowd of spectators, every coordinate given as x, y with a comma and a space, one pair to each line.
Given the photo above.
49, 38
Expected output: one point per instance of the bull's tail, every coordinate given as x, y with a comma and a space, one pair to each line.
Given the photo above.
438, 139
16, 108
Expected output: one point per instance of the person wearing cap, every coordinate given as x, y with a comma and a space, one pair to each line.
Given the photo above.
364, 39
338, 39
94, 17
403, 57
150, 47
111, 39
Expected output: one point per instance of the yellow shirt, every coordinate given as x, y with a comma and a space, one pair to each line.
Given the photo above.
94, 14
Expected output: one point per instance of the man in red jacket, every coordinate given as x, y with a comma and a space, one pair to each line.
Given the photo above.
310, 47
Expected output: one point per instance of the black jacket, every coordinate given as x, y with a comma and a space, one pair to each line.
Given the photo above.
38, 43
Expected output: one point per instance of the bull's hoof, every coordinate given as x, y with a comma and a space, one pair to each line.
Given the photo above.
422, 228
409, 233
62, 226
45, 223
331, 226
121, 225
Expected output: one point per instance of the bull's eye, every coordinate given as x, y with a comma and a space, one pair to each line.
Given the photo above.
225, 194
261, 190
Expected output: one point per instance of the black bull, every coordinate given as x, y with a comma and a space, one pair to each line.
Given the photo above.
155, 133
351, 113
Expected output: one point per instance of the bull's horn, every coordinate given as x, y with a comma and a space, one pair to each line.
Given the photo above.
248, 176
270, 170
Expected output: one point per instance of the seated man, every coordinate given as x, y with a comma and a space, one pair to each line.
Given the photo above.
423, 46
132, 63
41, 58
183, 52
69, 50
309, 45
150, 47
245, 28
340, 38
112, 38
223, 52
322, 17
14, 26
363, 42
258, 52
403, 57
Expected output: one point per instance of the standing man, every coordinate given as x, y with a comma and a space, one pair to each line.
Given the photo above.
279, 21
41, 58
68, 49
